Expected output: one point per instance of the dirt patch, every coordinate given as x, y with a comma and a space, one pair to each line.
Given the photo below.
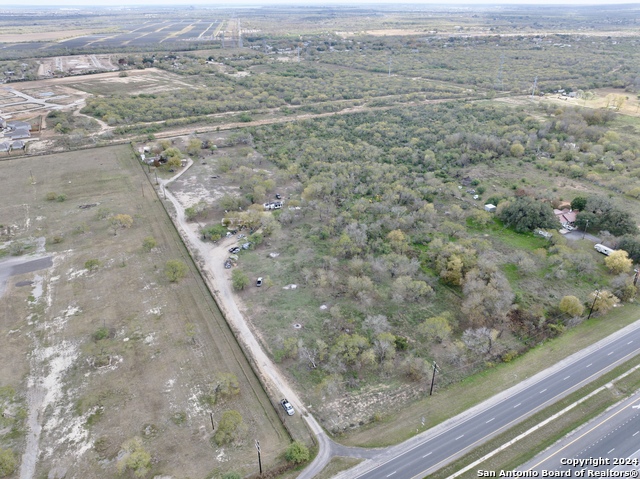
352, 411
75, 64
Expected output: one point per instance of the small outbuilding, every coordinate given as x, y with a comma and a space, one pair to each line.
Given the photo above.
490, 208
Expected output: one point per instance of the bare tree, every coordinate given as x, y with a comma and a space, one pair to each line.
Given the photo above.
479, 340
376, 324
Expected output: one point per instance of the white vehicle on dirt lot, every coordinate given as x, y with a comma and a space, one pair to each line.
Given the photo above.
287, 407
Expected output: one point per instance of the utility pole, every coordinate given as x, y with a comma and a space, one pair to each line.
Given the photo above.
389, 64
535, 85
585, 229
593, 304
433, 378
259, 459
156, 172
635, 276
213, 427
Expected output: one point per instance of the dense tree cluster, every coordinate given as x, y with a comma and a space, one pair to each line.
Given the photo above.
387, 229
601, 214
526, 214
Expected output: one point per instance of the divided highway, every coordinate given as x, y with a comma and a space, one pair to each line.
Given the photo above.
433, 449
609, 442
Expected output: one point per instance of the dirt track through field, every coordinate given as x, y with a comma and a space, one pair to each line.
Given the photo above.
212, 266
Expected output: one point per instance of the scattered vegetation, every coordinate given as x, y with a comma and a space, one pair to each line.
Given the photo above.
92, 264
230, 428
8, 462
135, 458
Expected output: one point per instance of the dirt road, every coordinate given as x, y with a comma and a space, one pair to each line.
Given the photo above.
21, 265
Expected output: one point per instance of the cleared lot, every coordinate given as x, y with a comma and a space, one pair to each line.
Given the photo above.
104, 352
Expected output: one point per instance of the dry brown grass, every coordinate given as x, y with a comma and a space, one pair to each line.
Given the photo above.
168, 342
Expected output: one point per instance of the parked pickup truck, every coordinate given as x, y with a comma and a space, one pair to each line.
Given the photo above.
287, 407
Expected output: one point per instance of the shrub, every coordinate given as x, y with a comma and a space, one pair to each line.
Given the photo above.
239, 280
135, 458
175, 270
230, 428
297, 453
52, 195
17, 248
92, 264
120, 221
8, 462
149, 243
571, 306
619, 262
100, 334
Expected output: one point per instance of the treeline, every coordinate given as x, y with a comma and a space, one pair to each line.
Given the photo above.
271, 88
509, 63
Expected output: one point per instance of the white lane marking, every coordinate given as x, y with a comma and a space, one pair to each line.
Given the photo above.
459, 437
427, 455
566, 378
542, 391
392, 473
610, 353
636, 433
630, 342
517, 405
490, 420
611, 450
589, 364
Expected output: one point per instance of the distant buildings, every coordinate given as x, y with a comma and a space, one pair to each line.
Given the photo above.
15, 130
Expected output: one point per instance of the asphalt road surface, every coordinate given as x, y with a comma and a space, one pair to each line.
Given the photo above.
458, 436
609, 442
21, 265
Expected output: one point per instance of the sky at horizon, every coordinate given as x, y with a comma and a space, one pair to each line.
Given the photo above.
240, 3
